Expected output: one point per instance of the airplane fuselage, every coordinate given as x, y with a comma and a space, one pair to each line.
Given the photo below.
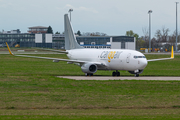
113, 59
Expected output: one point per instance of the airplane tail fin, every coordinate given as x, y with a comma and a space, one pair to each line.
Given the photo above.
70, 39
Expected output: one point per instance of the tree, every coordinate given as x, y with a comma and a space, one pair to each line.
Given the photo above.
132, 34
79, 33
86, 34
49, 30
172, 38
140, 44
154, 43
162, 35
94, 34
103, 34
57, 32
146, 34
178, 47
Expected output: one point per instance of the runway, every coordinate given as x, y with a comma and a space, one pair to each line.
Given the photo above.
119, 78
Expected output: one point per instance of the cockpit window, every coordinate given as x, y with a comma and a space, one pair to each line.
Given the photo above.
139, 57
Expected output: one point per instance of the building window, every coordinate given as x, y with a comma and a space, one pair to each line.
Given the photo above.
123, 45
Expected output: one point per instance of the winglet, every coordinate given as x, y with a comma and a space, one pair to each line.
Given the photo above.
172, 52
9, 49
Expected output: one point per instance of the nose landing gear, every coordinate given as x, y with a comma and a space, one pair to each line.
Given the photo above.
136, 75
136, 72
116, 73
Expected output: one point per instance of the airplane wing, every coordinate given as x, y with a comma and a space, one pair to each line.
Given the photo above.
60, 51
172, 57
55, 59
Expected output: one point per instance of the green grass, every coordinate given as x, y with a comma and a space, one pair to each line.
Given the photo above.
47, 67
163, 68
29, 89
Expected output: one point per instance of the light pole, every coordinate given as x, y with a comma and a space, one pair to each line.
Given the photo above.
149, 12
176, 26
70, 10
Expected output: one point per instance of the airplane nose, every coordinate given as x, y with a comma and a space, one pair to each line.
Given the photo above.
143, 63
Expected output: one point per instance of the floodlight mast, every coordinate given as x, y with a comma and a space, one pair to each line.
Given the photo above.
149, 12
70, 10
176, 26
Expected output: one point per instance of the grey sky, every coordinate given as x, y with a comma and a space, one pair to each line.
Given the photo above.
113, 17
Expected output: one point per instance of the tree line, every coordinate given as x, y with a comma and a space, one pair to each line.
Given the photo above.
162, 39
87, 33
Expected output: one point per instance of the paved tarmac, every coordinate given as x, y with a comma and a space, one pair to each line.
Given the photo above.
119, 78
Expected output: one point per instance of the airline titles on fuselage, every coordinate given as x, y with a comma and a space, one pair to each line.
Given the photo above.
110, 55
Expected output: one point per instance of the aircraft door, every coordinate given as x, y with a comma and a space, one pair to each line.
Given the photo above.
128, 58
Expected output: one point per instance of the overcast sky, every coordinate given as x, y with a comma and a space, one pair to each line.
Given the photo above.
113, 17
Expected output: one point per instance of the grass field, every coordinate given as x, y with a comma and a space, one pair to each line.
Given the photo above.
29, 89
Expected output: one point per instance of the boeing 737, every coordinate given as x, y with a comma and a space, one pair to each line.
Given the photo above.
91, 60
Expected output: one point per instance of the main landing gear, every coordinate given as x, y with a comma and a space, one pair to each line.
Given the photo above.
89, 74
116, 73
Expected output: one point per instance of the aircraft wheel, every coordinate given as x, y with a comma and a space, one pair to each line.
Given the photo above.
118, 73
114, 74
136, 75
90, 74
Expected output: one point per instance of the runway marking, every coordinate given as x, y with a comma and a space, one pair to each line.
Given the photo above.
119, 78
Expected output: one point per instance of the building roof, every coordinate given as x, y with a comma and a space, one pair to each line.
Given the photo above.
103, 36
38, 27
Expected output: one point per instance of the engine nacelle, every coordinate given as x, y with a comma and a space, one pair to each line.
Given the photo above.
89, 68
133, 72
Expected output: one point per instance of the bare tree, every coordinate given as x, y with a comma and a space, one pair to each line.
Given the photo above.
86, 34
172, 38
162, 35
146, 33
94, 34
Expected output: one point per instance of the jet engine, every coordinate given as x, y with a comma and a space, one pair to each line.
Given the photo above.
134, 72
89, 68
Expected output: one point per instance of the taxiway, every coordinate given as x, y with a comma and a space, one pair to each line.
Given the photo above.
119, 78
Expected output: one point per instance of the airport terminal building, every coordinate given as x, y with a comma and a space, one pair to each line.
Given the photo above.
57, 41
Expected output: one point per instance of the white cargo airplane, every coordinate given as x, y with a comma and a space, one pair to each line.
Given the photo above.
91, 60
